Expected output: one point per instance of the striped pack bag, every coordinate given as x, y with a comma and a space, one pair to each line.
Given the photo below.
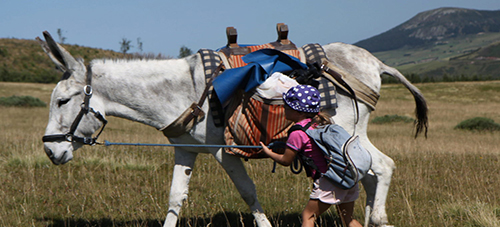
258, 116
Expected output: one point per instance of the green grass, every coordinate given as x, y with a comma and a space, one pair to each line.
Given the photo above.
392, 119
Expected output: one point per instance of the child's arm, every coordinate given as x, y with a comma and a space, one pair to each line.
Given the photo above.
285, 159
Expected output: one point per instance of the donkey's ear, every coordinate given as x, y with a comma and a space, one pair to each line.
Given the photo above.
60, 56
46, 49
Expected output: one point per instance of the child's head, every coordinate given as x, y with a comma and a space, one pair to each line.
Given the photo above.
303, 98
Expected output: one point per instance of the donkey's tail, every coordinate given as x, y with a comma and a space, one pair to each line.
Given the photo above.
421, 124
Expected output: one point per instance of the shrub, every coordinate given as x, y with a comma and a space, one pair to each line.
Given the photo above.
391, 119
479, 124
24, 101
4, 52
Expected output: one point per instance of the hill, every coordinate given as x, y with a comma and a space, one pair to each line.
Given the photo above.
469, 56
24, 60
432, 27
480, 64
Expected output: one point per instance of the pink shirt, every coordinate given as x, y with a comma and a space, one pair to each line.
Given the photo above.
299, 141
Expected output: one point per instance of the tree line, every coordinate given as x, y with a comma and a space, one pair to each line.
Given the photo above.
126, 45
416, 78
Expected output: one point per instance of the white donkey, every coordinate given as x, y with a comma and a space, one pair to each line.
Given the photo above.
156, 92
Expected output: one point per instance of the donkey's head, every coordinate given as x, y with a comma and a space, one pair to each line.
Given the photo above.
72, 118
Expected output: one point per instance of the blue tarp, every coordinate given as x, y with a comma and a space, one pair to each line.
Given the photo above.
261, 64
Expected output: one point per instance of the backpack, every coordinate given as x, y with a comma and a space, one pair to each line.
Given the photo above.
348, 162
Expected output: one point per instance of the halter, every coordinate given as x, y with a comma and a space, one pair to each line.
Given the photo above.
85, 109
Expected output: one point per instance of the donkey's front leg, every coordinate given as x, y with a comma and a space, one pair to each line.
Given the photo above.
183, 168
238, 174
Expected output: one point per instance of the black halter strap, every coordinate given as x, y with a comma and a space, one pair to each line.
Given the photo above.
85, 109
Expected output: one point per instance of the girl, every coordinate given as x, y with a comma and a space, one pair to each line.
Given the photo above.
302, 107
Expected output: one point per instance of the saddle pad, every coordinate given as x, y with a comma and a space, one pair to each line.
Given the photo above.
314, 53
211, 60
255, 120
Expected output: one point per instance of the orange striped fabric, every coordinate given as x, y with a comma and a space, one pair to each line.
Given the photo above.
254, 121
235, 60
295, 53
260, 47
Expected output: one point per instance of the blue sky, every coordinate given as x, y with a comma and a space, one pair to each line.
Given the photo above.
164, 26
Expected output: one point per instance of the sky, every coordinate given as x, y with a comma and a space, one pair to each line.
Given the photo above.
164, 26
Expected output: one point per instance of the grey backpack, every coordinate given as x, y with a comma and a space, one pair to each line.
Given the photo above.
348, 162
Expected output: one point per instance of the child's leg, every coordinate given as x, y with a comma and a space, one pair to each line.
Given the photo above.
313, 209
345, 211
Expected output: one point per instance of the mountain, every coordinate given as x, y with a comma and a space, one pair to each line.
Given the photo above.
442, 44
433, 26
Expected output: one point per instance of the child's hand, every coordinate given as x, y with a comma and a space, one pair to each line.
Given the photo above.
265, 149
286, 158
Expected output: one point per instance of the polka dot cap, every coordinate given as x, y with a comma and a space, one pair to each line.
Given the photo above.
303, 98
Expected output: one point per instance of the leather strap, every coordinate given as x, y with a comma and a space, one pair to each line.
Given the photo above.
197, 107
339, 79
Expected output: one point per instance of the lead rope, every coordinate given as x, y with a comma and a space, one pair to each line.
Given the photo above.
296, 166
355, 111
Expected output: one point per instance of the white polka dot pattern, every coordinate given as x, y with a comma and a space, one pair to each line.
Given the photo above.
303, 98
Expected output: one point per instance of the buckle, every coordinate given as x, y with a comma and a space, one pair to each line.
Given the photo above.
196, 112
89, 88
88, 140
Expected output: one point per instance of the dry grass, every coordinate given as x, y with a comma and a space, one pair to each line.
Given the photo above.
449, 179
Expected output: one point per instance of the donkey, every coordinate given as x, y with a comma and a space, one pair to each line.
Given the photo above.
156, 92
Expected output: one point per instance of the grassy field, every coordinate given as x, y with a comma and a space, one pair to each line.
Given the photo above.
449, 179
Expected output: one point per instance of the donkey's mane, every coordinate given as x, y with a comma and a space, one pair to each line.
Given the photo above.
137, 66
100, 61
146, 72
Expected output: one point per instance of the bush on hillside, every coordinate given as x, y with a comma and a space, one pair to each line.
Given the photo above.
479, 124
392, 119
40, 76
24, 101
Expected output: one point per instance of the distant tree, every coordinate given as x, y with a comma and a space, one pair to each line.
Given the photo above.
184, 52
125, 45
446, 78
62, 39
414, 78
139, 44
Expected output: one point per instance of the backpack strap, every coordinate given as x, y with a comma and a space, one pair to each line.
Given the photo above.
298, 127
300, 155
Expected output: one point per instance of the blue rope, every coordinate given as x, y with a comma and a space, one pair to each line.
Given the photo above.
107, 143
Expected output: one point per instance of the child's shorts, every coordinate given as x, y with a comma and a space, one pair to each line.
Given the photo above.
327, 192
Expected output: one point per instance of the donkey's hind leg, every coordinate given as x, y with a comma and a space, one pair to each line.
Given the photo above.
237, 172
183, 168
377, 185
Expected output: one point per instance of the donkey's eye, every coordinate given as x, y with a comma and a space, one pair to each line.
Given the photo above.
61, 102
